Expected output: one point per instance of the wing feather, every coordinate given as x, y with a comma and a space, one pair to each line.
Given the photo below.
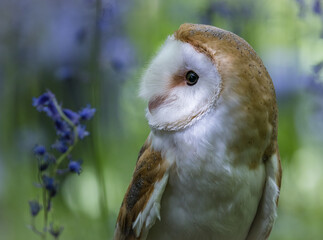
141, 204
267, 209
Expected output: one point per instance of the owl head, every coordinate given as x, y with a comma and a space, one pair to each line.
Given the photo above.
201, 68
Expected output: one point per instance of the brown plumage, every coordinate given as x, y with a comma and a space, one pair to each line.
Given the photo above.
240, 69
150, 168
247, 97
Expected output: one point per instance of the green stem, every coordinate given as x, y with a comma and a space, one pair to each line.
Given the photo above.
69, 150
44, 235
62, 114
34, 229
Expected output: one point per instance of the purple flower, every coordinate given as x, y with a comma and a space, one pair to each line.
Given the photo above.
60, 146
40, 150
62, 127
87, 113
317, 7
51, 111
50, 185
73, 116
82, 133
35, 207
43, 166
42, 100
68, 129
55, 231
318, 67
46, 161
65, 73
75, 166
119, 53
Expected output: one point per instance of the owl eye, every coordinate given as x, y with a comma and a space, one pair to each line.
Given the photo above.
191, 78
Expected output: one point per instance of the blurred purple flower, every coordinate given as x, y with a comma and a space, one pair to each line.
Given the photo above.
119, 53
62, 127
302, 7
317, 7
40, 150
45, 161
87, 113
43, 166
60, 146
50, 185
283, 66
46, 103
66, 72
55, 231
51, 111
42, 100
73, 116
82, 133
318, 67
68, 129
233, 13
35, 207
75, 166
314, 85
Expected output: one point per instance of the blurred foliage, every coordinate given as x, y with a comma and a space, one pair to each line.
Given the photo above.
95, 50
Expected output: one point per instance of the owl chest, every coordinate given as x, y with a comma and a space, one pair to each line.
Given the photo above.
207, 197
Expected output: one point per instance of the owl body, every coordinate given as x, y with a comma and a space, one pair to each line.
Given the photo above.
206, 196
210, 167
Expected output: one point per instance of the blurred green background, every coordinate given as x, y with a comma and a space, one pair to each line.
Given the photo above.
94, 51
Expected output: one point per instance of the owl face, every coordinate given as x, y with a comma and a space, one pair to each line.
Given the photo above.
180, 85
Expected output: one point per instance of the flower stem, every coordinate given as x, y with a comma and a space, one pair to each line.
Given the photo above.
63, 156
62, 114
44, 235
69, 150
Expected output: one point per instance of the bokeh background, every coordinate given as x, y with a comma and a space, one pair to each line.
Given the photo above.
94, 51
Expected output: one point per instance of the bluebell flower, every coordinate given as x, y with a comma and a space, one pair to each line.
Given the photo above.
119, 53
87, 113
75, 166
42, 100
51, 111
55, 231
82, 133
49, 158
35, 207
50, 185
73, 116
68, 138
65, 73
46, 161
43, 166
62, 127
60, 146
317, 7
40, 150
318, 67
81, 35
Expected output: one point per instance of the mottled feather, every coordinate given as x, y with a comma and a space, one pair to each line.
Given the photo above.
150, 169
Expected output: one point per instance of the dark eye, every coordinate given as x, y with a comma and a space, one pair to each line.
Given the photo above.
191, 78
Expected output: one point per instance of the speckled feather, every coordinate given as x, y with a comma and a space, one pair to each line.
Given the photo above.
239, 67
150, 168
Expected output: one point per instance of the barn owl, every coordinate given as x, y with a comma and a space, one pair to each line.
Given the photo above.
210, 167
